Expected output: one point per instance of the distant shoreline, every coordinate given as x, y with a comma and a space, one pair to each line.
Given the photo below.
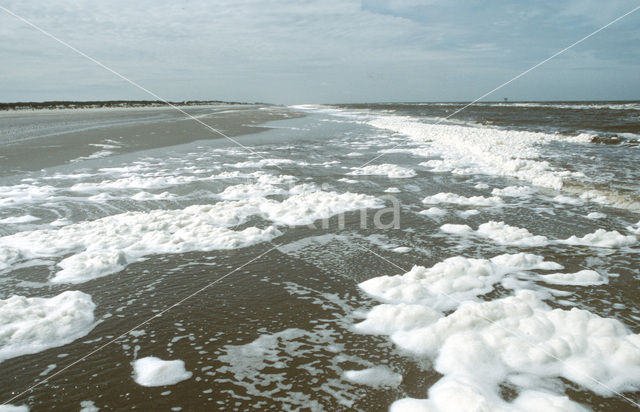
117, 104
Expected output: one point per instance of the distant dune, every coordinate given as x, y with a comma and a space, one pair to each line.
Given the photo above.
104, 103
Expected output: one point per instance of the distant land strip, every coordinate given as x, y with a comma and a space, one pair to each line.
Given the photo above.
62, 104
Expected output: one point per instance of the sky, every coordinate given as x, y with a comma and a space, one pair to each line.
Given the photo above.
319, 51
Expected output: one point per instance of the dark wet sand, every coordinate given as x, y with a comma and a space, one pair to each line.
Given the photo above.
173, 128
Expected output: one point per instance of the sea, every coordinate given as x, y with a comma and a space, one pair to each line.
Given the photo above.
390, 256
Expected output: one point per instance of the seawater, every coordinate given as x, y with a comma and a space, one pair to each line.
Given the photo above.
509, 281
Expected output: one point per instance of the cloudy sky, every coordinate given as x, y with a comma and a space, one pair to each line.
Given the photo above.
319, 51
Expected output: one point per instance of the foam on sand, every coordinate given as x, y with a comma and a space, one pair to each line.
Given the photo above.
304, 209
568, 200
31, 325
635, 229
466, 395
11, 196
500, 233
14, 408
484, 150
107, 245
517, 340
152, 371
602, 238
514, 191
581, 278
504, 234
88, 406
375, 377
389, 170
433, 212
456, 229
18, 219
452, 198
451, 281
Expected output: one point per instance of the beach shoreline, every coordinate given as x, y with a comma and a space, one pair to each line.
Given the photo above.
86, 133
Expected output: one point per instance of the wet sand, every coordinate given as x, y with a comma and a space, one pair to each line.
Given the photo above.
83, 133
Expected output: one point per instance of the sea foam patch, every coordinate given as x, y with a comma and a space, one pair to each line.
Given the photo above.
482, 150
602, 238
455, 199
107, 245
454, 280
152, 371
500, 233
582, 278
514, 191
31, 325
517, 339
389, 170
375, 377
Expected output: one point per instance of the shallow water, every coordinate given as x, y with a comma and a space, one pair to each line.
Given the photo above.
279, 333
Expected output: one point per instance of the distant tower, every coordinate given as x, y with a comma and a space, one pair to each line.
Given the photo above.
506, 100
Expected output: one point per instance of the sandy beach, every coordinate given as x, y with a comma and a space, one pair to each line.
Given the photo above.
60, 136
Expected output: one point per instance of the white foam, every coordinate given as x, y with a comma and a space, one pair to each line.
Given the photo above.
392, 190
517, 339
263, 163
451, 281
24, 193
266, 185
465, 343
568, 200
152, 371
387, 319
107, 245
456, 229
88, 406
433, 212
135, 182
141, 196
31, 325
19, 219
244, 191
307, 208
478, 149
14, 408
376, 377
581, 278
95, 155
500, 233
635, 229
514, 191
88, 265
601, 238
8, 256
452, 198
601, 197
504, 234
401, 249
389, 170
596, 215
467, 213
463, 394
